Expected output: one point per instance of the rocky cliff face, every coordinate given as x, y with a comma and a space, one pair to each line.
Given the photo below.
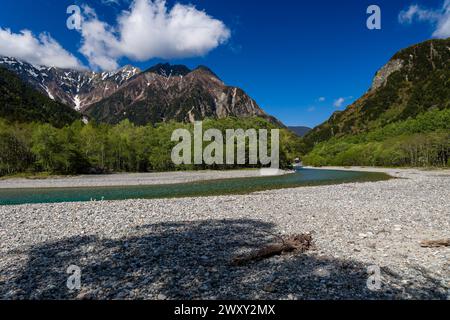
383, 74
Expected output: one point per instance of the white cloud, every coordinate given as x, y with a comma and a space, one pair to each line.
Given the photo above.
439, 18
150, 30
99, 44
322, 99
416, 12
339, 102
41, 50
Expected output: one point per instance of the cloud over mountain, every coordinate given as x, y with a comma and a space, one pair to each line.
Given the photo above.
439, 18
149, 29
40, 50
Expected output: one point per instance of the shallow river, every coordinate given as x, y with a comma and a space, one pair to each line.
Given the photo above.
302, 177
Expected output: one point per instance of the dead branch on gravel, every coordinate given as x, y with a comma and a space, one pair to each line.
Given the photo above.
435, 243
289, 244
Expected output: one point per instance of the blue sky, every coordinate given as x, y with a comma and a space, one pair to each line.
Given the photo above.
297, 59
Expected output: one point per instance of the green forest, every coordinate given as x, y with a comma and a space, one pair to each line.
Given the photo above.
102, 148
420, 142
33, 148
22, 103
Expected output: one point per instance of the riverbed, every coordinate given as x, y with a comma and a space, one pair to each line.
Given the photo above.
181, 248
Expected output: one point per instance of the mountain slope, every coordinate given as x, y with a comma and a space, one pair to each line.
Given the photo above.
300, 131
166, 92
21, 102
74, 88
415, 80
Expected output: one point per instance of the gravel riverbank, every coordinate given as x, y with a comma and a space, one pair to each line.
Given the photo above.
182, 248
128, 179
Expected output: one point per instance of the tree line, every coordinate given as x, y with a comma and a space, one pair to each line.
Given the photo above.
102, 148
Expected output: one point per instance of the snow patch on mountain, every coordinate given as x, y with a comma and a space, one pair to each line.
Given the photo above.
48, 92
77, 102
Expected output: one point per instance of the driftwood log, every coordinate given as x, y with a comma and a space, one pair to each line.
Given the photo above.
288, 244
435, 243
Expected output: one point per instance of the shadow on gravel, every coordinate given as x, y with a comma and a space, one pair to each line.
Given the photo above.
191, 260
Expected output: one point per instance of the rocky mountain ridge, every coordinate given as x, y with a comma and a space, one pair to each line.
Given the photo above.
163, 92
74, 88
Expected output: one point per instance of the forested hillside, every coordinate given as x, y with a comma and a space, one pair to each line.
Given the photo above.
20, 102
403, 120
415, 80
424, 141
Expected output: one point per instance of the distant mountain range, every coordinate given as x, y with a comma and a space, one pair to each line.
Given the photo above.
415, 80
300, 131
161, 93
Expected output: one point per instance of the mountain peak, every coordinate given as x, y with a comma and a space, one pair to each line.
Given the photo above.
125, 73
5, 59
167, 70
128, 67
205, 69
